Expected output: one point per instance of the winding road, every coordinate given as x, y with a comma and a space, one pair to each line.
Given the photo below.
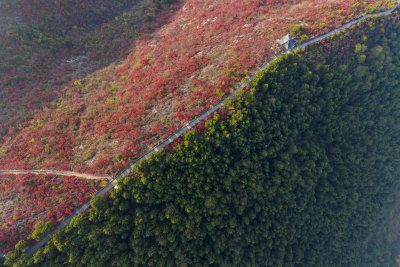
193, 123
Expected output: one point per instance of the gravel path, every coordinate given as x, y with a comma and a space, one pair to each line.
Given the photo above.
61, 173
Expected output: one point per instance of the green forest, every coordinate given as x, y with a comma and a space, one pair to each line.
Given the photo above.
301, 173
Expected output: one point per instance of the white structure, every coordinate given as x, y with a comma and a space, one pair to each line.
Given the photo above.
286, 41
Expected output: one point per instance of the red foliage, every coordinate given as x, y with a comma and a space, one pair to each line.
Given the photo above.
27, 199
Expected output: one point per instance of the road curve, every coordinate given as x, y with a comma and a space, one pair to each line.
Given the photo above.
61, 173
193, 123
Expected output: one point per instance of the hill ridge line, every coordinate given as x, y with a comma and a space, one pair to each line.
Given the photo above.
193, 123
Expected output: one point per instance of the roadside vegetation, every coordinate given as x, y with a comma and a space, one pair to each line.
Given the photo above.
26, 200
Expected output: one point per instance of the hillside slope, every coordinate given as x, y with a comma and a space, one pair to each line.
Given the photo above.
45, 44
101, 122
179, 71
298, 175
46, 56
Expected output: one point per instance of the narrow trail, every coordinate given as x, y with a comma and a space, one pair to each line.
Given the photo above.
60, 173
193, 123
